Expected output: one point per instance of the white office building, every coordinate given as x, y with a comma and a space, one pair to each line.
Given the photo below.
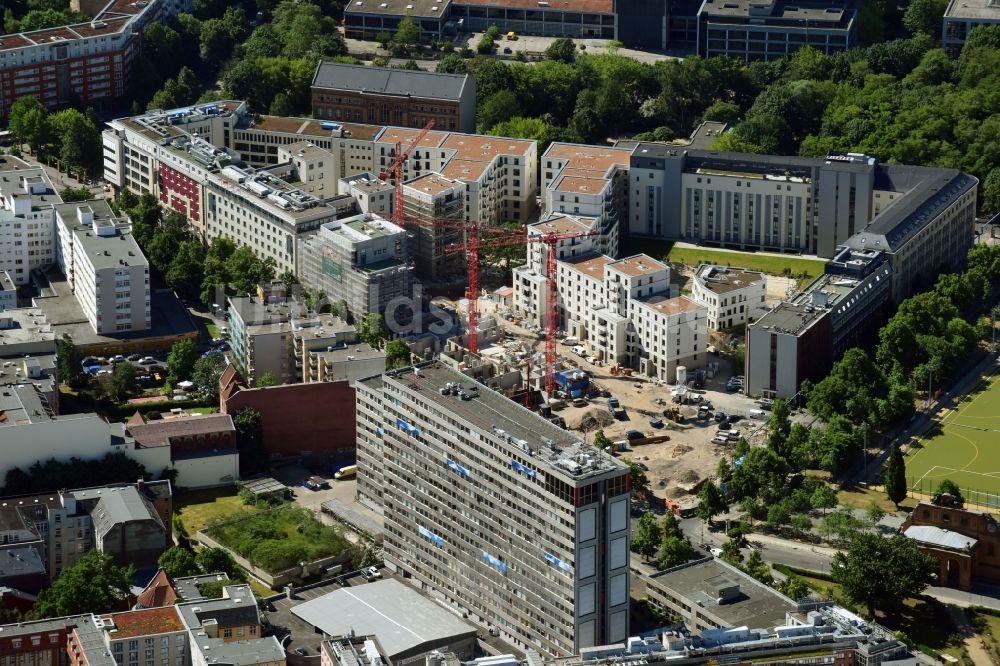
732, 296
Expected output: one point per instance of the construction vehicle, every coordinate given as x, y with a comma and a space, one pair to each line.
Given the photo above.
674, 414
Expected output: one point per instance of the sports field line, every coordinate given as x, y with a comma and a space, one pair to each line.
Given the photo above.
954, 470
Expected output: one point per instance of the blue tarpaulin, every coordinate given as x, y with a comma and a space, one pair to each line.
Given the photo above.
497, 564
521, 468
434, 538
458, 468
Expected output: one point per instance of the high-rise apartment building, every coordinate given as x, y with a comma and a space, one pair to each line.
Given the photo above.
504, 514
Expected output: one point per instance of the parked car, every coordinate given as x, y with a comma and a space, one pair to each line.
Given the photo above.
735, 435
133, 357
580, 402
147, 360
656, 423
724, 425
735, 418
118, 359
633, 434
372, 574
720, 417
720, 439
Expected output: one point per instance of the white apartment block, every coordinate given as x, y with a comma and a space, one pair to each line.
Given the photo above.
8, 292
27, 226
732, 296
499, 512
104, 267
620, 309
313, 166
96, 252
588, 182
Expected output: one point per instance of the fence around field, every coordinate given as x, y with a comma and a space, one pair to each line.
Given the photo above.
975, 498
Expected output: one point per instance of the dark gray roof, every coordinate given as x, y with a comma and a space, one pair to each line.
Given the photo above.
428, 9
386, 81
187, 586
20, 562
927, 192
122, 505
936, 536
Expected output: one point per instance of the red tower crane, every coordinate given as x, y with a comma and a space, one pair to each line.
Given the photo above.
395, 170
508, 237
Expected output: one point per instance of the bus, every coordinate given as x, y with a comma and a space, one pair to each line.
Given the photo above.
346, 472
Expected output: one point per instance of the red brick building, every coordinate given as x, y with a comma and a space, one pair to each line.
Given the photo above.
965, 542
315, 419
181, 193
41, 643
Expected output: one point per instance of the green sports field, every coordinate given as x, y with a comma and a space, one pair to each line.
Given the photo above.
965, 448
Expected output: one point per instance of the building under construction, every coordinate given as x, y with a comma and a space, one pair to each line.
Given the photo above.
433, 214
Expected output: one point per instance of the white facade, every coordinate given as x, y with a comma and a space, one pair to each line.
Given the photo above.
104, 267
8, 291
314, 166
732, 296
27, 226
620, 310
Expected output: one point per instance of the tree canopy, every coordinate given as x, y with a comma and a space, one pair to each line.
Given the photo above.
879, 573
95, 584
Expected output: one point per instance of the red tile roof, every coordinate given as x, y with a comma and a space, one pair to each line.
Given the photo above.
159, 592
145, 622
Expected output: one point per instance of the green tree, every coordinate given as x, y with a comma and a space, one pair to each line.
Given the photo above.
947, 486
647, 536
640, 482
895, 476
250, 439
264, 42
823, 497
186, 270
372, 331
407, 33
762, 474
72, 194
397, 354
265, 380
216, 42
880, 573
757, 568
120, 384
178, 562
93, 585
497, 108
925, 16
562, 49
246, 270
710, 501
602, 441
674, 551
731, 552
70, 362
793, 587
874, 514
217, 560
778, 514
180, 362
29, 121
451, 64
206, 373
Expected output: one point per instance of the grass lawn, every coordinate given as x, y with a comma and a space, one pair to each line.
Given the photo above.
990, 633
200, 508
772, 265
860, 498
204, 410
213, 330
963, 447
280, 538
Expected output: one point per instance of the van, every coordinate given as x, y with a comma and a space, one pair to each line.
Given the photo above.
579, 350
571, 340
756, 414
511, 36
346, 472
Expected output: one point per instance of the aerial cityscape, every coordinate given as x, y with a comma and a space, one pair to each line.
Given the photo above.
499, 332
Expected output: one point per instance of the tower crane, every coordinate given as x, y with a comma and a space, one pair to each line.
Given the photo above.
505, 238
395, 170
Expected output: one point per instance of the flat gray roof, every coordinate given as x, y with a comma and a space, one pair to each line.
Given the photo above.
27, 325
187, 586
432, 9
790, 318
757, 606
385, 81
404, 620
821, 12
978, 10
551, 448
20, 404
358, 351
723, 279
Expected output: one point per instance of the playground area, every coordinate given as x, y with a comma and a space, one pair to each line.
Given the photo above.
964, 446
